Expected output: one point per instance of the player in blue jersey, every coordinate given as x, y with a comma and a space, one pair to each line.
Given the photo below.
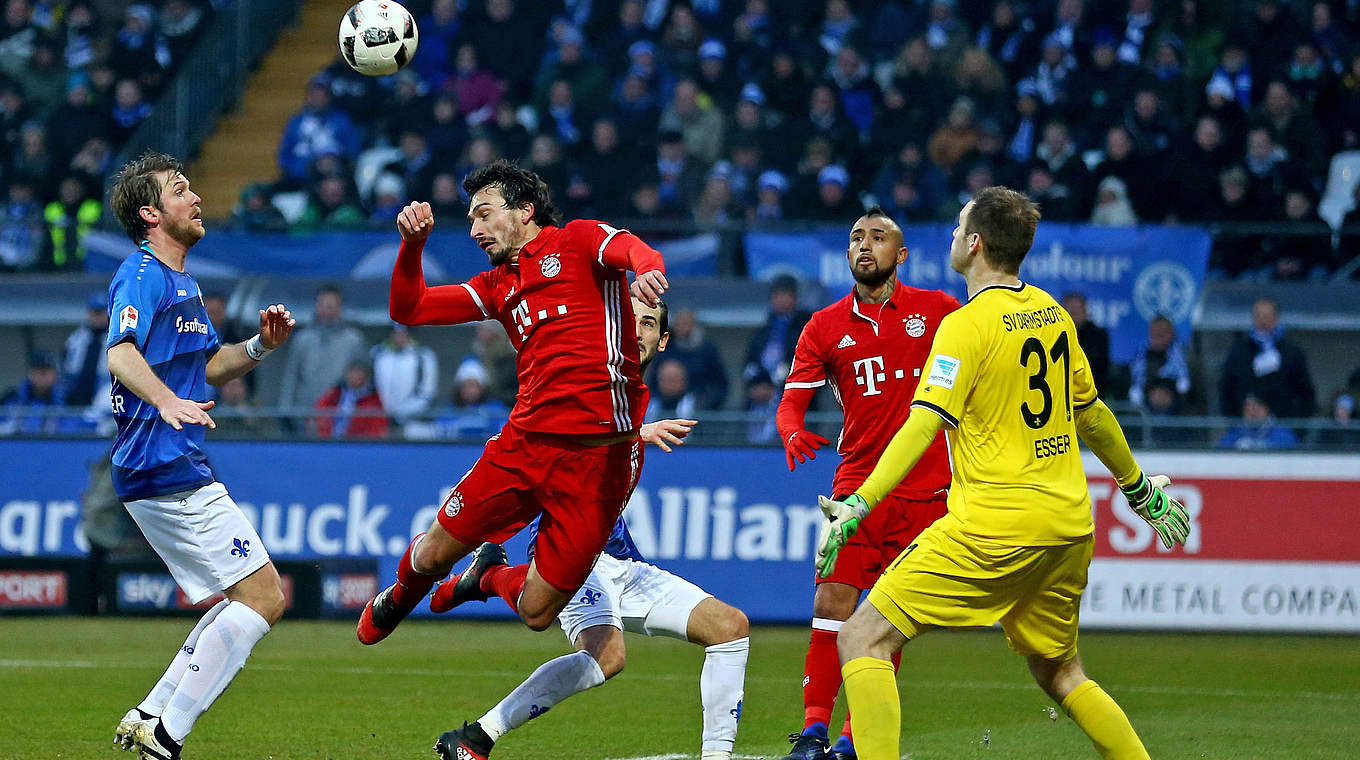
622, 593
163, 352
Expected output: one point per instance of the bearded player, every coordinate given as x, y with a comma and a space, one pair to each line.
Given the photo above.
871, 346
623, 592
570, 451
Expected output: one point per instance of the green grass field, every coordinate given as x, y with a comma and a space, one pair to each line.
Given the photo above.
311, 691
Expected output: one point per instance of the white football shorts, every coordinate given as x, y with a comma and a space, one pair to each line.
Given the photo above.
632, 596
202, 536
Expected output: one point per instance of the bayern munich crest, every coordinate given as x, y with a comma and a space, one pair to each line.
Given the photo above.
916, 325
454, 504
551, 266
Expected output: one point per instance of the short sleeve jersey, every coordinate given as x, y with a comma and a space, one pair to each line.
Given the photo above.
570, 317
1005, 373
873, 356
160, 311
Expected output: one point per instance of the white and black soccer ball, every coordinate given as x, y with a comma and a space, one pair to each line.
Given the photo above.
378, 37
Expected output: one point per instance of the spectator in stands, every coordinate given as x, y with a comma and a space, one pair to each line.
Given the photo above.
681, 36
472, 413
1101, 88
1343, 414
25, 406
238, 414
23, 236
78, 119
318, 129
69, 219
700, 124
440, 30
1307, 251
389, 195
331, 205
636, 109
1112, 205
447, 132
1094, 339
255, 213
1258, 430
13, 114
716, 204
82, 25
18, 34
612, 41
129, 110
671, 397
1346, 125
1198, 168
405, 373
858, 95
924, 91
353, 405
1059, 154
320, 352
1054, 197
1162, 356
506, 131
1268, 34
560, 117
715, 77
1236, 201
692, 347
33, 162
834, 200
1163, 403
680, 175
181, 22
139, 51
1154, 130
772, 345
44, 78
510, 44
589, 80
770, 189
85, 366
407, 109
955, 138
1296, 130
1232, 119
908, 186
415, 167
1348, 248
1264, 364
762, 400
492, 349
1024, 133
1053, 74
446, 198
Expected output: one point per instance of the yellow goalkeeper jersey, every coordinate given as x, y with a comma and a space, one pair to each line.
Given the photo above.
1005, 372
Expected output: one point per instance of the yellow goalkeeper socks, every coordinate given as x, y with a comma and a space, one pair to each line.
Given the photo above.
1097, 714
875, 713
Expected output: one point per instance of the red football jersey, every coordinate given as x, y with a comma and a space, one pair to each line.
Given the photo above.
873, 355
565, 305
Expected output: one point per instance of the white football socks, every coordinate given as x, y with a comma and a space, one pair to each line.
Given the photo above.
552, 682
222, 649
721, 687
155, 702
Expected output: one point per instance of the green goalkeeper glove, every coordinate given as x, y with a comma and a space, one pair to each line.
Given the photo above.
843, 519
1166, 515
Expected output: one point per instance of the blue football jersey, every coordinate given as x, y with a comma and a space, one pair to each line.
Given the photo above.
161, 311
619, 546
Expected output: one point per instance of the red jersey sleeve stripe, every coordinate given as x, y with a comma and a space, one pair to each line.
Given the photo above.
816, 384
610, 232
476, 299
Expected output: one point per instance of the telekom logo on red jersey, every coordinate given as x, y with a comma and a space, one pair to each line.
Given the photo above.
869, 373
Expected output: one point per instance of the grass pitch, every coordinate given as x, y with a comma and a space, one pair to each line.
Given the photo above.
311, 691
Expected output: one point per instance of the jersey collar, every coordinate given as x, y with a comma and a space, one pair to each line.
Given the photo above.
1011, 288
540, 241
894, 301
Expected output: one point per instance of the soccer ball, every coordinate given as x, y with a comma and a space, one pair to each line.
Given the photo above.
378, 37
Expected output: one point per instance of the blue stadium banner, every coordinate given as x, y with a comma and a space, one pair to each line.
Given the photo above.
697, 512
1129, 275
449, 257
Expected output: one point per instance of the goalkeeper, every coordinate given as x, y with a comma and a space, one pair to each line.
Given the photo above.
1010, 384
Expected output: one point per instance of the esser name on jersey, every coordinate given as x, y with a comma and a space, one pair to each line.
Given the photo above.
1032, 320
1052, 446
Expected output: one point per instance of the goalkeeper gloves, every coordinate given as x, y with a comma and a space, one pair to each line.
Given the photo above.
1166, 515
843, 519
803, 445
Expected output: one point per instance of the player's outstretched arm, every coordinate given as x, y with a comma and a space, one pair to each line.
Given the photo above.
410, 300
236, 359
128, 365
1097, 426
624, 250
666, 433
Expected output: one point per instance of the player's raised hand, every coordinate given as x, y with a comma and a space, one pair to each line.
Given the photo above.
415, 222
802, 445
276, 324
648, 287
1166, 515
663, 432
181, 412
842, 521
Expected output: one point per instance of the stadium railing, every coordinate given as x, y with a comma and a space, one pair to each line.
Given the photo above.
716, 427
209, 79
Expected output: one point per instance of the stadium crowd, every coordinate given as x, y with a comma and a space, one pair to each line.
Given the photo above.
1114, 112
76, 79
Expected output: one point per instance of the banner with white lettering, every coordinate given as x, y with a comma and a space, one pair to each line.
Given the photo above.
1128, 275
736, 522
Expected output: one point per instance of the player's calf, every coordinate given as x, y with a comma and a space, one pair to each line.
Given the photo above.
385, 611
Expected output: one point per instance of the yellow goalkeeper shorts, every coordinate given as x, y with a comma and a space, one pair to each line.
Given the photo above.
951, 580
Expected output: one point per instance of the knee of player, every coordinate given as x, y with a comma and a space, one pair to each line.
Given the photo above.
274, 606
850, 642
611, 660
732, 625
538, 621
